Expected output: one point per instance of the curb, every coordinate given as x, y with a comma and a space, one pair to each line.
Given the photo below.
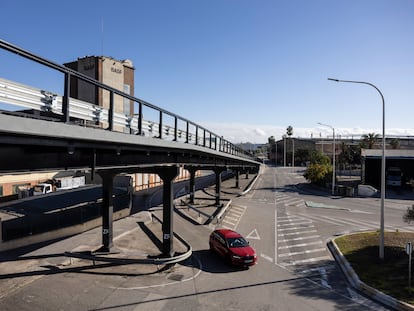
251, 184
356, 283
220, 214
155, 261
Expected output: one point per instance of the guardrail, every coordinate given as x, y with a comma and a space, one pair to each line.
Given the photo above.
69, 109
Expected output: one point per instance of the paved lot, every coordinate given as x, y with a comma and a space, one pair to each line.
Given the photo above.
138, 236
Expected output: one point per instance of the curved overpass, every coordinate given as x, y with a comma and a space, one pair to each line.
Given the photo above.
59, 134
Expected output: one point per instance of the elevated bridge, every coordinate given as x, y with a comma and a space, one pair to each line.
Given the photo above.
57, 132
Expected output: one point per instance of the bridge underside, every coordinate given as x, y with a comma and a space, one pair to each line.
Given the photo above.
31, 145
34, 145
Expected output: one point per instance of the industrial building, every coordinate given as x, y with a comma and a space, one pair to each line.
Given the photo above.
118, 74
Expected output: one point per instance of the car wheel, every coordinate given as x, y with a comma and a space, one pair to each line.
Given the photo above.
228, 260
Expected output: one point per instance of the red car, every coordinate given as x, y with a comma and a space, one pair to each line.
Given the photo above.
232, 247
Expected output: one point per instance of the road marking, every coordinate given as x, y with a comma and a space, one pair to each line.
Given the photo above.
296, 233
300, 245
237, 213
288, 218
302, 238
327, 267
324, 278
365, 225
295, 223
304, 252
305, 261
296, 228
276, 235
275, 219
361, 212
268, 258
229, 222
253, 235
200, 268
279, 200
232, 218
293, 201
319, 219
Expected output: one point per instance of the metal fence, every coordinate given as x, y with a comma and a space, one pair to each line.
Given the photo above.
166, 125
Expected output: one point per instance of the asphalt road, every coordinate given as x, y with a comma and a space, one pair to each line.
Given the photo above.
286, 223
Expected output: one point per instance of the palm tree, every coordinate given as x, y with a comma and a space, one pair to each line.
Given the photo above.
370, 139
289, 130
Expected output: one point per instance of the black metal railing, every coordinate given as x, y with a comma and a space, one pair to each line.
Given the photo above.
192, 130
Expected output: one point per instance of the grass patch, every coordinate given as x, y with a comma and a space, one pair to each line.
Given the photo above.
389, 275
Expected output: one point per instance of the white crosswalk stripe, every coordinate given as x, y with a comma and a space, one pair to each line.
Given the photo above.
358, 224
233, 216
298, 241
288, 200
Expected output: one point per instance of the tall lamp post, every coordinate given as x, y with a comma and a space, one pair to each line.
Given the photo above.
381, 248
333, 156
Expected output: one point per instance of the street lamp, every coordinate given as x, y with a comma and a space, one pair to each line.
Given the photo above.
333, 156
381, 248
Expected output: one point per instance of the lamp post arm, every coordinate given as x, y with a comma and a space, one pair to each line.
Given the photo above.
382, 226
360, 82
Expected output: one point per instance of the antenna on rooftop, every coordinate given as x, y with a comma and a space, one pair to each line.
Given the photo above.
102, 36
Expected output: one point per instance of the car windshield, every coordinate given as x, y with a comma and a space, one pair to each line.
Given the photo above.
237, 242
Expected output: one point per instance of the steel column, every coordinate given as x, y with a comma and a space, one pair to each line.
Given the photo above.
237, 178
107, 211
218, 171
192, 171
168, 174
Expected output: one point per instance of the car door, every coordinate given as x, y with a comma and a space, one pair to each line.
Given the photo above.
222, 247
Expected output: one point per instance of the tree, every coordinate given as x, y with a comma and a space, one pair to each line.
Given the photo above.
318, 157
369, 140
302, 155
350, 154
318, 173
320, 170
395, 143
409, 215
289, 131
272, 146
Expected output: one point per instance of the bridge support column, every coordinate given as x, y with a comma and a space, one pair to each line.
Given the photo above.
107, 210
192, 171
237, 175
168, 174
218, 171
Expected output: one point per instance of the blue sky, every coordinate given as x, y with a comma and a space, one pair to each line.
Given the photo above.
246, 69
